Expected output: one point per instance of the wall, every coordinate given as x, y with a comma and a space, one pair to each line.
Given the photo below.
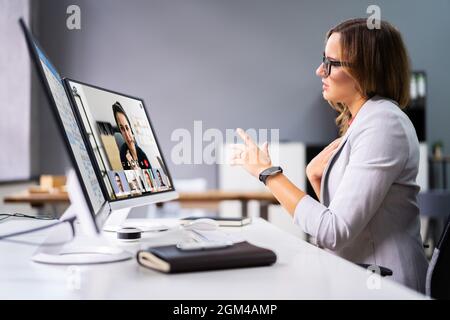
15, 93
247, 63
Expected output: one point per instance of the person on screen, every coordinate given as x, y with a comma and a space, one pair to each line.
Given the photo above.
131, 156
148, 179
119, 183
133, 182
140, 179
161, 182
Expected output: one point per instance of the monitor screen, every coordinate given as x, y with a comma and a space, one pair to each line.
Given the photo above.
67, 120
123, 142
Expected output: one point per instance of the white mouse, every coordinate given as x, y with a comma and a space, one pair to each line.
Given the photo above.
204, 224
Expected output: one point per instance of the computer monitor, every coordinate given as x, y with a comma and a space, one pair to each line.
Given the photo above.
69, 129
127, 156
88, 201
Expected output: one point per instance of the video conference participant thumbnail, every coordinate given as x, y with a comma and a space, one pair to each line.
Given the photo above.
131, 156
122, 140
121, 186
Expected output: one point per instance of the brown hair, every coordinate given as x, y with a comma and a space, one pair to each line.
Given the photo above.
378, 61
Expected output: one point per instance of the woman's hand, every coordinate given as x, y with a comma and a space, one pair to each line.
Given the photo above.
315, 168
132, 163
250, 156
255, 160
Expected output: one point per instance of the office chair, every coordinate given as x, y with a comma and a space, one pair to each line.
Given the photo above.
437, 284
383, 270
434, 205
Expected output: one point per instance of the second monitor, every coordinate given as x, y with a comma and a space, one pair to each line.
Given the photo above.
128, 160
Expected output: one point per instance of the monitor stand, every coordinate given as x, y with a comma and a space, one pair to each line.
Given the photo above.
147, 218
89, 246
83, 249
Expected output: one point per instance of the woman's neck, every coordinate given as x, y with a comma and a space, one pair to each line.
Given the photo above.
355, 105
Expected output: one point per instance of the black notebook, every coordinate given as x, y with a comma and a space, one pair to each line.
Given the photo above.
170, 259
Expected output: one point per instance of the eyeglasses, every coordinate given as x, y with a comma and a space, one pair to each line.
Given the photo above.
327, 63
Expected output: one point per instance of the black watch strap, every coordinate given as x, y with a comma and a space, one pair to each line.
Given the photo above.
268, 173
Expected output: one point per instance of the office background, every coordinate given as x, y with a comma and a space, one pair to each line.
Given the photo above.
229, 64
247, 63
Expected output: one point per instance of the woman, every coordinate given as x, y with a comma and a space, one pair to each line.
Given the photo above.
149, 180
365, 180
131, 156
119, 183
161, 181
133, 182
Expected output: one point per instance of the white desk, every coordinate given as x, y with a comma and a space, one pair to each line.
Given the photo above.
302, 271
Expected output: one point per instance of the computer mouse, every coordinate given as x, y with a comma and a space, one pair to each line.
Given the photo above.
203, 224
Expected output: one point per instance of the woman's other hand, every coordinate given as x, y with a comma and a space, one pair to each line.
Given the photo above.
315, 168
133, 164
250, 156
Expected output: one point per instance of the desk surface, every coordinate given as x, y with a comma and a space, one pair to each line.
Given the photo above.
302, 271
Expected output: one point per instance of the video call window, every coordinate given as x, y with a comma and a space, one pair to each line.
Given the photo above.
123, 142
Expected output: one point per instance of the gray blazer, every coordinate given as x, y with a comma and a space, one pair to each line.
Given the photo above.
368, 209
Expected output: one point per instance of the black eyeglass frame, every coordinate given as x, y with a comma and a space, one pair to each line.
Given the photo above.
327, 63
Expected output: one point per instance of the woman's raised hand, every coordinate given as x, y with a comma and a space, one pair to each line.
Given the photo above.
250, 156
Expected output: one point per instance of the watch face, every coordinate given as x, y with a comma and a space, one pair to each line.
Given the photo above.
269, 172
273, 170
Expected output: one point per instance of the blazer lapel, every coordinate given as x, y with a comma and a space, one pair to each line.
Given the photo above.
328, 166
361, 114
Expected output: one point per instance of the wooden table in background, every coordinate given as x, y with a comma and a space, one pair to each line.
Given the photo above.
264, 198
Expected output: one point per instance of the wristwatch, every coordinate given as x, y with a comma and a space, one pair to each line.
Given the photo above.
268, 173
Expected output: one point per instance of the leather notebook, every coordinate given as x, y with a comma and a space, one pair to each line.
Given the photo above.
170, 259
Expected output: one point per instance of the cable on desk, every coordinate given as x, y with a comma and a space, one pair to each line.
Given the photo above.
4, 216
71, 221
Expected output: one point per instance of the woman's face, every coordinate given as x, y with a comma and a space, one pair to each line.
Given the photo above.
119, 184
339, 86
149, 181
125, 128
134, 185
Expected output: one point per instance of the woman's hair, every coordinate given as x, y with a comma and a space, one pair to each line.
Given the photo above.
117, 108
149, 178
378, 61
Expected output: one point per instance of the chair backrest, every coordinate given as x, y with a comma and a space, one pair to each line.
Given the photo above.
434, 204
438, 275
